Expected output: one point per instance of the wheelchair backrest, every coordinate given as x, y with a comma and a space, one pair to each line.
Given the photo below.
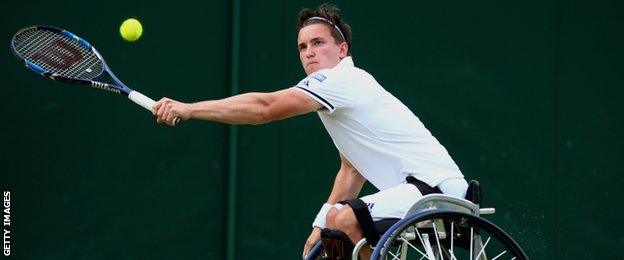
473, 193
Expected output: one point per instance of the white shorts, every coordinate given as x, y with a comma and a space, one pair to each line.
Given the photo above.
396, 201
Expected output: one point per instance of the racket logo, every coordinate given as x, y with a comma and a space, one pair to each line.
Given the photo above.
58, 54
104, 86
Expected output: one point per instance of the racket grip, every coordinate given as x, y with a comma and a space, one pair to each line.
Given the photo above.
146, 102
142, 100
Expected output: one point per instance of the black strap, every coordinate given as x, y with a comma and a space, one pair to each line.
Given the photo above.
421, 186
363, 216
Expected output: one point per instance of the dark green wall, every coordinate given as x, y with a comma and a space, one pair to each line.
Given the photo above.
523, 94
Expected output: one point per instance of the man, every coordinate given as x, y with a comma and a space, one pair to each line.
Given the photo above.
379, 138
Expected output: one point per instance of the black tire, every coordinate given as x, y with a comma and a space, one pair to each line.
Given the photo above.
498, 244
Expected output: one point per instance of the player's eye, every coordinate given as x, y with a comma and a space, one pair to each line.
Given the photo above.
302, 47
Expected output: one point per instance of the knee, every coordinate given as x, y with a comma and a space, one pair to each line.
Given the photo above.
330, 218
345, 219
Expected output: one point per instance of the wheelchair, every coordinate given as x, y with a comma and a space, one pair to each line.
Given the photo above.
438, 227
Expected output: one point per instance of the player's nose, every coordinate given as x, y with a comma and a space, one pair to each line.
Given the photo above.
309, 53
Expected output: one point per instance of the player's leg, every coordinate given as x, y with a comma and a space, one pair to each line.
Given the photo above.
455, 187
346, 222
393, 202
336, 243
356, 219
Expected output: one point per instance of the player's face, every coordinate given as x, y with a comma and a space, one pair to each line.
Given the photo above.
318, 49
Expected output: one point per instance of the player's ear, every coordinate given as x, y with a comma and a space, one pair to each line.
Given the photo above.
344, 49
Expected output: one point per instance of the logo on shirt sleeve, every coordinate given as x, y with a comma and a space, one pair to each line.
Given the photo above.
319, 77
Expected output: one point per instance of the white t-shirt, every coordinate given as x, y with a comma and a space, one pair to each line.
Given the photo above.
379, 135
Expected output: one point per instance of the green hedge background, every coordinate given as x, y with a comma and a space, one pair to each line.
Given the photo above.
524, 95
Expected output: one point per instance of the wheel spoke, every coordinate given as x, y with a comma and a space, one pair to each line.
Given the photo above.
419, 237
397, 251
453, 257
412, 246
428, 247
394, 256
471, 243
435, 231
452, 238
483, 247
499, 255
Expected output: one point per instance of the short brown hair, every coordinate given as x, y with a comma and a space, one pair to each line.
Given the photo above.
331, 17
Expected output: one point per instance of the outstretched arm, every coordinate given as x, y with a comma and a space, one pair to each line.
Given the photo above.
249, 108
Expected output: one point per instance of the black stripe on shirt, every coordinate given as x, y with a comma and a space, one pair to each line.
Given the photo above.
319, 97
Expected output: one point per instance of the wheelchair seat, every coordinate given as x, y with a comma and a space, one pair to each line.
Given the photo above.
473, 194
383, 225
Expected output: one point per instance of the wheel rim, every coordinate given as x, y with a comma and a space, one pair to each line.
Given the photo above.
440, 234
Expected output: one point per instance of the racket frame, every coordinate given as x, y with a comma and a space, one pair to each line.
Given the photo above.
117, 86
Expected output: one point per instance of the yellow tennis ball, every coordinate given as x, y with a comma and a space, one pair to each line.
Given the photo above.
131, 30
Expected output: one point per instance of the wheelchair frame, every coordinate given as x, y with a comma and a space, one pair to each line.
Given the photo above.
436, 207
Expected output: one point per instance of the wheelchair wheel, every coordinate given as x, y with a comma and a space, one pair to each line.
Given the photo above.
317, 252
443, 234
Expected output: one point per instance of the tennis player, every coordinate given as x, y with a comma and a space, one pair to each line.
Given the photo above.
378, 138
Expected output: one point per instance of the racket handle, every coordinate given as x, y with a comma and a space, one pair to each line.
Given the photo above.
142, 100
146, 103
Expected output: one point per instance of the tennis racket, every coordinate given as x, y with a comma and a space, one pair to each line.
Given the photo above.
62, 56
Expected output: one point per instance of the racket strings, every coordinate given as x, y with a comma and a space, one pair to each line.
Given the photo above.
58, 54
33, 43
91, 63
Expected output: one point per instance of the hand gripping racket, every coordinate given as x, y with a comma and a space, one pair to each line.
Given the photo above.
63, 56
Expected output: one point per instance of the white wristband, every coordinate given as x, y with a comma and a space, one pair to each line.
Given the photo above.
320, 221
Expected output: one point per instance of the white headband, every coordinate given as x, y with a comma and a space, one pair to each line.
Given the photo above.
329, 22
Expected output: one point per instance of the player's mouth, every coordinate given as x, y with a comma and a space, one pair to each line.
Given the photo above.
310, 63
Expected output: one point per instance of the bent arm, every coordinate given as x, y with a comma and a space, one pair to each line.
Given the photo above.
255, 108
347, 184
